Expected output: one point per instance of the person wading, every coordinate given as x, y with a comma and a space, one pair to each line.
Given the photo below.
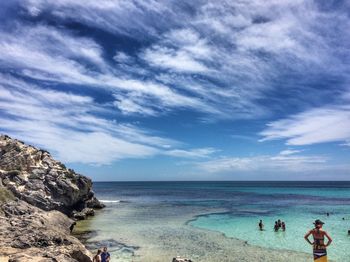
97, 257
261, 225
105, 256
319, 247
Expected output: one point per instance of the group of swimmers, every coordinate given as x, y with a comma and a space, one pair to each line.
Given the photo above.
102, 256
278, 224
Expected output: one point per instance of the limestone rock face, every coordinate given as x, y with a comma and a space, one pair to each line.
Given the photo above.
37, 194
28, 233
34, 176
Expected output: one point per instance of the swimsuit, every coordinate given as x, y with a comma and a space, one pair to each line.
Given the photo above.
319, 249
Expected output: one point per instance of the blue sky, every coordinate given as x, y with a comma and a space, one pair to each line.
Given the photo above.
180, 90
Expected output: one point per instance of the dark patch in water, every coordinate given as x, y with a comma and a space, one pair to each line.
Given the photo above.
85, 235
112, 245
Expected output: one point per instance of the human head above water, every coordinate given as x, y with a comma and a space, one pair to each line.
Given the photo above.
318, 223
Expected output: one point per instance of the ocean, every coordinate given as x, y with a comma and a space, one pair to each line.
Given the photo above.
136, 210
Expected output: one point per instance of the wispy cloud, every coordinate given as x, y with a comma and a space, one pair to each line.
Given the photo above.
180, 51
288, 152
222, 60
248, 59
78, 60
265, 164
194, 153
69, 125
110, 15
319, 125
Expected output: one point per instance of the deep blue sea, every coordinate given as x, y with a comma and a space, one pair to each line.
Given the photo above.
298, 204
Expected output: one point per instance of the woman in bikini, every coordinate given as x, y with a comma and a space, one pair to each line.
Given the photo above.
319, 247
97, 257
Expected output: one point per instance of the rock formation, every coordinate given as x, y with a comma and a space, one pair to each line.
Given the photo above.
37, 194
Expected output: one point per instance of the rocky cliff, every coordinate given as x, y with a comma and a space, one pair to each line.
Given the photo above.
37, 196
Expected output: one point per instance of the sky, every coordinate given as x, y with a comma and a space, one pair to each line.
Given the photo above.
180, 90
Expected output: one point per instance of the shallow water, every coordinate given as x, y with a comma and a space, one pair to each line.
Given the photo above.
146, 207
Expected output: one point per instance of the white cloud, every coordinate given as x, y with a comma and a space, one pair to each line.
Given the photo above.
240, 50
225, 60
122, 57
131, 106
265, 164
177, 60
180, 51
68, 125
111, 15
194, 153
31, 52
319, 125
288, 152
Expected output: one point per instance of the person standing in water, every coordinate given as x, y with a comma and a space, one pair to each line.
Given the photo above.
279, 223
283, 226
105, 256
319, 247
97, 257
261, 225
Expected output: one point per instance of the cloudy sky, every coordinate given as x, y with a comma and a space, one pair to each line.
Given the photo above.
180, 90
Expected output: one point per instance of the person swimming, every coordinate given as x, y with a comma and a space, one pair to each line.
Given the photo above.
319, 247
276, 227
261, 225
279, 223
283, 226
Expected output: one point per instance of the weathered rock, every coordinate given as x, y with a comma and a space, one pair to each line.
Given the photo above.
94, 203
83, 214
27, 231
36, 195
34, 176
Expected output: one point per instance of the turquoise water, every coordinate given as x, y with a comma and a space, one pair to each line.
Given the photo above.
298, 208
296, 203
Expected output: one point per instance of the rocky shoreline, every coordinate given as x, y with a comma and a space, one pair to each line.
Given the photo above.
40, 200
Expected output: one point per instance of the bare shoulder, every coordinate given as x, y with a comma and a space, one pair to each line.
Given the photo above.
323, 232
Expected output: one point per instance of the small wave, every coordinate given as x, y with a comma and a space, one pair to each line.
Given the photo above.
110, 201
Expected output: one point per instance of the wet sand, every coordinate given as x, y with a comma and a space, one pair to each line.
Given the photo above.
159, 233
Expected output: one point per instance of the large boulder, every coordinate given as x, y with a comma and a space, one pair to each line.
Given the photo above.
28, 233
32, 175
